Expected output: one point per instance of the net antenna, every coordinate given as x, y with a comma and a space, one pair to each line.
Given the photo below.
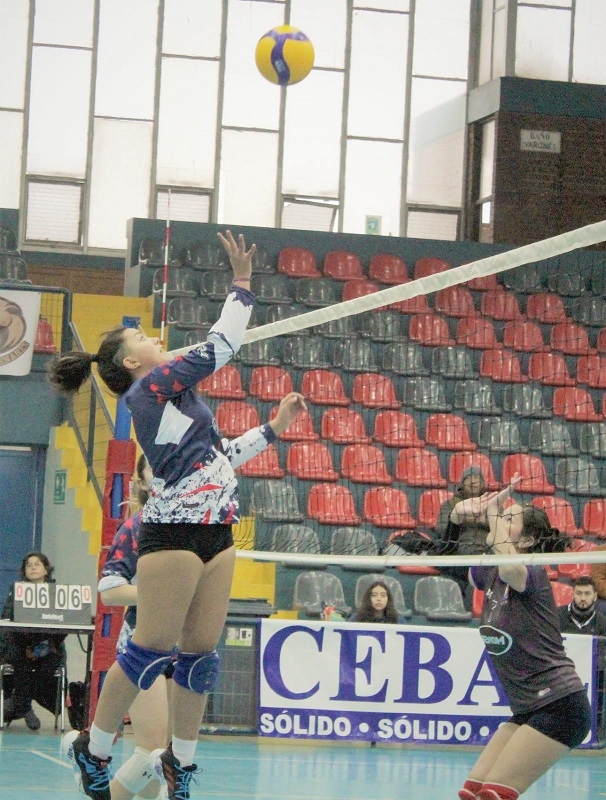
165, 272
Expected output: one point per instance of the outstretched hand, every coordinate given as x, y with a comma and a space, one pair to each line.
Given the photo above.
239, 257
290, 405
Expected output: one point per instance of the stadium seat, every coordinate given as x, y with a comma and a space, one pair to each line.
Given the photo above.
523, 336
297, 262
332, 504
186, 313
404, 358
195, 336
551, 437
396, 429
226, 383
364, 463
8, 240
418, 467
316, 292
215, 285
151, 254
350, 541
271, 288
440, 598
395, 589
486, 283
453, 362
573, 571
526, 279
425, 394
499, 435
575, 405
44, 342
344, 426
578, 476
315, 590
459, 462
546, 307
279, 311
525, 401
413, 305
275, 501
270, 383
180, 283
477, 333
341, 328
13, 268
397, 548
300, 430
358, 287
374, 391
235, 417
570, 338
567, 284
263, 465
601, 341
204, 256
305, 352
476, 397
560, 514
310, 461
430, 503
500, 305
592, 439
531, 468
455, 301
562, 593
550, 369
589, 310
354, 355
502, 366
430, 330
342, 266
448, 432
293, 538
388, 269
382, 326
591, 371
259, 354
324, 387
387, 507
429, 266
594, 518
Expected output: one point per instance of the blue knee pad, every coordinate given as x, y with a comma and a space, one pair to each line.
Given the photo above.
141, 665
197, 672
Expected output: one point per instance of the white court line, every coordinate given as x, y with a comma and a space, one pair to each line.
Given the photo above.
51, 758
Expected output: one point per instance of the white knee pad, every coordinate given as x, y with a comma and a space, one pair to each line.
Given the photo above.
137, 772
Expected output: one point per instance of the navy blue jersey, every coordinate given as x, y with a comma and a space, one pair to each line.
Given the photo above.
121, 565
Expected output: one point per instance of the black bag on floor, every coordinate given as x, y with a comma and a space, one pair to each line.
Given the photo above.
76, 705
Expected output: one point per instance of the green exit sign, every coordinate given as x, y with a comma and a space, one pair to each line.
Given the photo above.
60, 486
373, 225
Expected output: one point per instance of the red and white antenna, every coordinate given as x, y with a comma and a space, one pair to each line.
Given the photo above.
165, 274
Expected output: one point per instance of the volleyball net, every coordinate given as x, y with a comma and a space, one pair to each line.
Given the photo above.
418, 377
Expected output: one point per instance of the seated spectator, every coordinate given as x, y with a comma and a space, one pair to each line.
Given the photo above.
582, 615
34, 656
377, 606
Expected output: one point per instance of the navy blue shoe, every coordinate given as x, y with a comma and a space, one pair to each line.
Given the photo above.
94, 771
177, 778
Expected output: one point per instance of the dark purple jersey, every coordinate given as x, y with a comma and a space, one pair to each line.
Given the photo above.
521, 632
121, 565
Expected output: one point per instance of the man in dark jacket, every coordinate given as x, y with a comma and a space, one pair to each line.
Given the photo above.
582, 615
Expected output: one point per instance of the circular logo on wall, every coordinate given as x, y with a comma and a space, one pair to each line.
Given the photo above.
12, 325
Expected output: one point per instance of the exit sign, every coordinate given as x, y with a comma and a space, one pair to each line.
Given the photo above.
59, 487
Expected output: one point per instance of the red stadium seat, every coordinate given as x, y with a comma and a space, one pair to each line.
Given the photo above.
502, 366
270, 383
570, 338
225, 383
297, 262
429, 266
545, 307
501, 305
560, 513
430, 503
364, 463
455, 301
574, 571
265, 465
459, 462
601, 343
388, 269
342, 266
374, 391
575, 405
344, 426
531, 468
524, 336
594, 518
477, 333
358, 287
550, 369
417, 467
310, 461
485, 284
417, 569
396, 429
414, 305
562, 593
324, 387
448, 432
235, 417
591, 370
387, 507
430, 330
332, 504
300, 430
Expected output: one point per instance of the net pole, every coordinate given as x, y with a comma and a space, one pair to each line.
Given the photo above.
165, 272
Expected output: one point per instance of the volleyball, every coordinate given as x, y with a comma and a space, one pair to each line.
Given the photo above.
284, 55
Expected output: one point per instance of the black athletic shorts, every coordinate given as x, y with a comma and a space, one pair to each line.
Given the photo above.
206, 541
567, 720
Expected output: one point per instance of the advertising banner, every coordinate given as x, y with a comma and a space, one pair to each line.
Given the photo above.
19, 313
390, 683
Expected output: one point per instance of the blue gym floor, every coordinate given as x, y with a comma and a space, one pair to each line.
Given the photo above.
246, 768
